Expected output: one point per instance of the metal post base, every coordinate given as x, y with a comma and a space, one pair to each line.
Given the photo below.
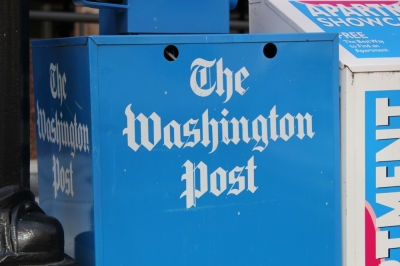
27, 235
68, 261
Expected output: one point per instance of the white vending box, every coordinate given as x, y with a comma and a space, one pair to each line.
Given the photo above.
369, 37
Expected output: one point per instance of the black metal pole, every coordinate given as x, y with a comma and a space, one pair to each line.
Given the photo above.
27, 235
14, 93
63, 16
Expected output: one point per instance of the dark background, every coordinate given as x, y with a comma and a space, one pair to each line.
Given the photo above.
53, 29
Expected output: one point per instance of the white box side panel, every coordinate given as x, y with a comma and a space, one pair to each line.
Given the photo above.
348, 156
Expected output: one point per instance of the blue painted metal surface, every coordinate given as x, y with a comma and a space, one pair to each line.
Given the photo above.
161, 16
220, 157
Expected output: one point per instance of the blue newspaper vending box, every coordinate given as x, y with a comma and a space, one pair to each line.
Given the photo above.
191, 150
